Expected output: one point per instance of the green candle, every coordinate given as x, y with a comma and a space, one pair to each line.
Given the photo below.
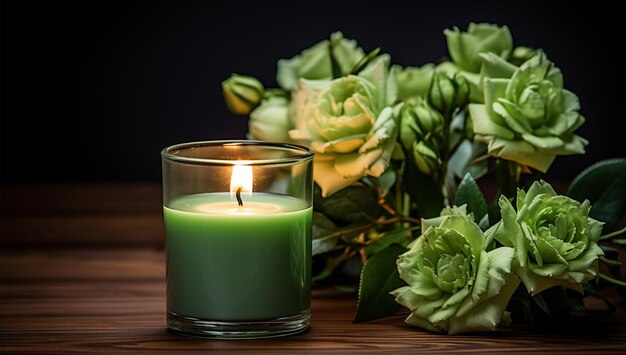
238, 218
227, 262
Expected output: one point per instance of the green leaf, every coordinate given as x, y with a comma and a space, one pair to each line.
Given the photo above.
619, 241
456, 133
520, 304
424, 191
330, 263
336, 69
322, 226
378, 278
363, 62
484, 223
396, 236
556, 302
382, 184
469, 193
543, 306
323, 245
604, 185
354, 204
494, 212
323, 238
461, 159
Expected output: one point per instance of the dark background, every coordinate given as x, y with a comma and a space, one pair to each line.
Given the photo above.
92, 90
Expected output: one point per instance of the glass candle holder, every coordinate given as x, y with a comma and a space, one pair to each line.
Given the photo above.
238, 238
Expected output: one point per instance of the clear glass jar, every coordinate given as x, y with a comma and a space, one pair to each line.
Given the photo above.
238, 238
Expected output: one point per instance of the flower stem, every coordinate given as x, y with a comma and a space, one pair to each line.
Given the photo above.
507, 177
406, 206
611, 280
613, 234
448, 186
399, 190
610, 262
372, 225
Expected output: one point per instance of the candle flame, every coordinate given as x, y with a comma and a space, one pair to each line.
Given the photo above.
241, 178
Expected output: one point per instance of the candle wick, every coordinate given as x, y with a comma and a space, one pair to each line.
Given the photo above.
238, 195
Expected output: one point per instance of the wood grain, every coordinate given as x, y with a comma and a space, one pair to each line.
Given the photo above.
81, 215
82, 271
113, 300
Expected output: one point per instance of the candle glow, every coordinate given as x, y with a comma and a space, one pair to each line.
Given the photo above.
241, 178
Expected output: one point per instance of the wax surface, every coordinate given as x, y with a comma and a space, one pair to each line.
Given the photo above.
226, 264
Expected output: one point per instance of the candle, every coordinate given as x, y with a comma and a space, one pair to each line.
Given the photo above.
238, 221
231, 263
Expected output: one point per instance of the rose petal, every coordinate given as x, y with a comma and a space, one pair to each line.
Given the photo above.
521, 152
342, 145
329, 180
487, 315
543, 142
495, 66
483, 125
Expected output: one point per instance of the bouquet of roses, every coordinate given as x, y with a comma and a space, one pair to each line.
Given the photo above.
398, 151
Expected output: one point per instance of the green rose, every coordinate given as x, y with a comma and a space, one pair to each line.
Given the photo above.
448, 93
554, 239
413, 82
270, 121
445, 213
349, 124
454, 284
421, 135
528, 117
465, 49
522, 54
242, 93
315, 63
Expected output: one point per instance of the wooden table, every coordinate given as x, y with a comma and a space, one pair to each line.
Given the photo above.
82, 270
